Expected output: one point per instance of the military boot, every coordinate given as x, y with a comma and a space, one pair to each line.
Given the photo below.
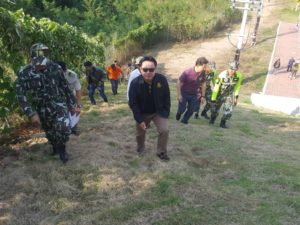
212, 119
204, 114
54, 150
63, 155
223, 124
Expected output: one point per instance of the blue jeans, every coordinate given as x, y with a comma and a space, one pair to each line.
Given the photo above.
91, 89
187, 105
114, 86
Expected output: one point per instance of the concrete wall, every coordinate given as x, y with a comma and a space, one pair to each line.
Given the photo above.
286, 105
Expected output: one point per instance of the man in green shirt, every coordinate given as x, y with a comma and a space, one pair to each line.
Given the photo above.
225, 91
210, 73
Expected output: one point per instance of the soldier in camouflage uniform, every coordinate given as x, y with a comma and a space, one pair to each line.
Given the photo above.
75, 87
225, 92
210, 73
44, 96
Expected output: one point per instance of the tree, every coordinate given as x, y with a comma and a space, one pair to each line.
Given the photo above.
19, 31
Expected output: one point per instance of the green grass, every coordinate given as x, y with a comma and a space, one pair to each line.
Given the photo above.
134, 164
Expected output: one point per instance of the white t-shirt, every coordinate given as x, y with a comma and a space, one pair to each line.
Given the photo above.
73, 81
135, 73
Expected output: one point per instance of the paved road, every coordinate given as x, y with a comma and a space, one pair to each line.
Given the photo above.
287, 45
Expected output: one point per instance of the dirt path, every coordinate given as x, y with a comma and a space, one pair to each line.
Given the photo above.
173, 59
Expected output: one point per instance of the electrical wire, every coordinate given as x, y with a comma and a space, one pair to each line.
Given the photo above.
245, 43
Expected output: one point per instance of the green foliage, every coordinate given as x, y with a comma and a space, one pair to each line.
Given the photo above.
181, 19
75, 31
168, 21
6, 4
184, 19
7, 99
19, 31
65, 3
142, 37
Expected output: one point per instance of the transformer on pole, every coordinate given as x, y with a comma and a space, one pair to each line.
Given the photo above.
246, 6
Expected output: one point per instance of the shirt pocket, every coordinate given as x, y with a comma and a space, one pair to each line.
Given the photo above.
35, 82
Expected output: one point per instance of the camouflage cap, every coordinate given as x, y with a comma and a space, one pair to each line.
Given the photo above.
38, 49
38, 53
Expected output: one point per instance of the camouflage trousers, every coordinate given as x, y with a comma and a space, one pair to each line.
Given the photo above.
56, 123
206, 108
228, 105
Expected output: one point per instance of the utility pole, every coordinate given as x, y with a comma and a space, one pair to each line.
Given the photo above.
246, 6
259, 14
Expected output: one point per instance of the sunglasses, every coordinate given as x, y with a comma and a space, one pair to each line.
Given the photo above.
148, 70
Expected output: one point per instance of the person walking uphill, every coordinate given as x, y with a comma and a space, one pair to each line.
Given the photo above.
114, 73
95, 78
188, 86
210, 73
135, 73
149, 100
50, 98
75, 87
226, 90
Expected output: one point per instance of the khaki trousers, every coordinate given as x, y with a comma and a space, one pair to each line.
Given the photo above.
162, 129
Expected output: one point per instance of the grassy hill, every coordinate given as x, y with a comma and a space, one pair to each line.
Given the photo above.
247, 174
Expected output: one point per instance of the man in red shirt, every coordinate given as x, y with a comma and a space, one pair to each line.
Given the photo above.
188, 84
